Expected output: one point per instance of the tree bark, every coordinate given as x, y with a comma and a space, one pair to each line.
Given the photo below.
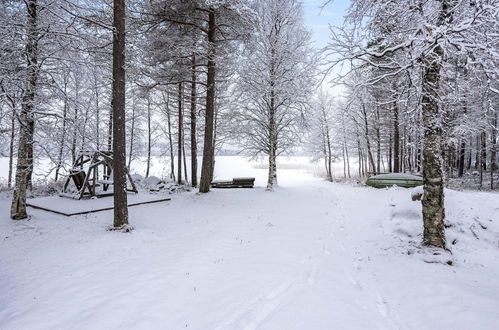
493, 149
118, 102
26, 118
170, 140
148, 166
368, 141
11, 144
63, 136
194, 148
132, 135
208, 152
396, 139
433, 197
180, 132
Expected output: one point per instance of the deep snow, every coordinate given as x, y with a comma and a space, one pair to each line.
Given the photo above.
309, 255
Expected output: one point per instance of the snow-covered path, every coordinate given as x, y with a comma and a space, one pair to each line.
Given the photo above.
310, 255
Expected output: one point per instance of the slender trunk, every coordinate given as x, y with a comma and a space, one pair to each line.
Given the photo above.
360, 155
272, 177
396, 139
148, 166
132, 135
110, 130
484, 150
348, 158
26, 118
329, 156
462, 151
194, 148
206, 169
97, 110
185, 161
11, 144
368, 142
493, 149
63, 135
180, 132
170, 139
344, 161
75, 119
378, 142
390, 160
119, 134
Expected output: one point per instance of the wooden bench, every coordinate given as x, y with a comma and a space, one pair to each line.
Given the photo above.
234, 183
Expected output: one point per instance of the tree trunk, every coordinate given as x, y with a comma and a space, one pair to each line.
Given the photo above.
132, 134
180, 132
97, 110
194, 148
148, 166
378, 142
462, 151
170, 139
26, 119
206, 169
63, 136
390, 160
493, 149
433, 197
396, 139
368, 141
118, 102
11, 144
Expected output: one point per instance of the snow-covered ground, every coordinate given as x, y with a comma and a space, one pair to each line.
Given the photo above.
309, 255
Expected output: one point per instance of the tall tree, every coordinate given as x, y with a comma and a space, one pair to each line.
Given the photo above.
26, 117
275, 82
118, 102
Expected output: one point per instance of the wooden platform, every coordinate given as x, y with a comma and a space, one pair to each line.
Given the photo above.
234, 183
70, 207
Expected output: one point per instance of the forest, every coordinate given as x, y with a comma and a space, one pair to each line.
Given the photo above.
172, 96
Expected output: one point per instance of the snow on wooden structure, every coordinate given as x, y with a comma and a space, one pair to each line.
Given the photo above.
92, 176
234, 183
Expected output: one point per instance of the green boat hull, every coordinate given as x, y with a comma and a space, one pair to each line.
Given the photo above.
394, 179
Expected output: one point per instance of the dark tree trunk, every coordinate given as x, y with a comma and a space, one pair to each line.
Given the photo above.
390, 160
493, 149
208, 152
26, 118
483, 150
378, 142
462, 152
194, 147
118, 102
180, 132
148, 166
396, 139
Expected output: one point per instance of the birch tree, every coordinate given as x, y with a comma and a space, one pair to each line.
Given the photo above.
275, 82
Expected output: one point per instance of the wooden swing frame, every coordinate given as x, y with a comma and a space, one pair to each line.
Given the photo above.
87, 180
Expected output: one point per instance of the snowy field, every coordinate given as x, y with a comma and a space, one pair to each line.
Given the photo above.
310, 255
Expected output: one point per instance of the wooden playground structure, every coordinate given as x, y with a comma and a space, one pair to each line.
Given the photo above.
92, 176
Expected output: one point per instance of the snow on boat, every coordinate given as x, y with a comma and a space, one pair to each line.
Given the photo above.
395, 179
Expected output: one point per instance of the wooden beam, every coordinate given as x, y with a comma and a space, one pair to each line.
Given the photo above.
93, 211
